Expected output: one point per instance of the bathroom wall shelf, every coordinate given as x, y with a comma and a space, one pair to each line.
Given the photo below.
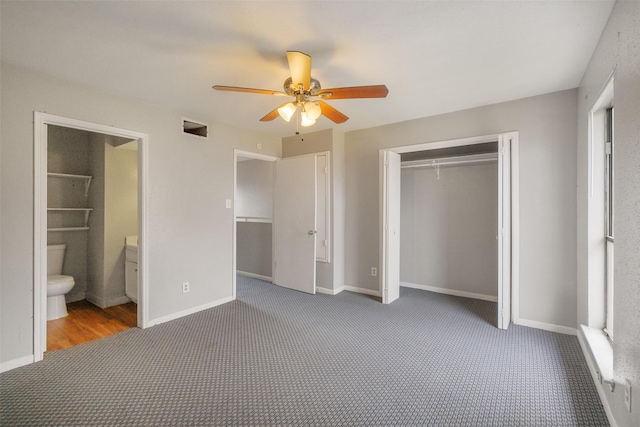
86, 211
86, 178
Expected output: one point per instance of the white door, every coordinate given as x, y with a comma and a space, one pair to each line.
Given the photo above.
504, 231
390, 214
294, 222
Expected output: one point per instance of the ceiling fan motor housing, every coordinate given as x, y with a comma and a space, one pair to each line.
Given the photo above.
291, 90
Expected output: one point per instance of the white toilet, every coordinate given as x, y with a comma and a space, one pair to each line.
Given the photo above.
57, 284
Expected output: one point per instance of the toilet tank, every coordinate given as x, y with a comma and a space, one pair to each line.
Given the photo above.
55, 258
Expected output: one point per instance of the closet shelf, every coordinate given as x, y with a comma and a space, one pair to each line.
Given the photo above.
254, 219
86, 178
68, 229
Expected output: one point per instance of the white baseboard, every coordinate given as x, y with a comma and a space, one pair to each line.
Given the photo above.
189, 311
547, 326
362, 291
453, 292
594, 375
255, 276
329, 291
16, 363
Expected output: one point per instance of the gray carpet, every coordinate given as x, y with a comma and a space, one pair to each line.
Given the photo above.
280, 357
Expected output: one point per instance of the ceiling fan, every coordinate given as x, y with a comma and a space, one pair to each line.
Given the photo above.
308, 95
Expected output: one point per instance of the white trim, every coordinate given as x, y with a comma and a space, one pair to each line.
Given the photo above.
187, 312
327, 205
445, 144
601, 350
257, 156
515, 228
328, 291
16, 363
547, 327
254, 276
594, 375
40, 123
453, 292
362, 291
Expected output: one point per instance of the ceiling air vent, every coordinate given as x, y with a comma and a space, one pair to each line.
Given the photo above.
194, 128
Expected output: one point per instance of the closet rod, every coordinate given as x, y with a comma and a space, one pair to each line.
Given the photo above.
443, 162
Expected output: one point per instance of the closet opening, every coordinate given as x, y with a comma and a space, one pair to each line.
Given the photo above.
447, 220
281, 219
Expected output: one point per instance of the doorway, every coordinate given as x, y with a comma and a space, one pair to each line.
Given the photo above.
43, 125
507, 209
281, 218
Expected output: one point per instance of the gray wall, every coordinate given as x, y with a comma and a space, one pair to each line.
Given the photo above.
68, 152
96, 236
254, 184
254, 245
189, 228
547, 127
448, 228
121, 216
618, 52
114, 198
254, 198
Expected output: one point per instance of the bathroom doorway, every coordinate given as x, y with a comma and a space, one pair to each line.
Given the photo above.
90, 205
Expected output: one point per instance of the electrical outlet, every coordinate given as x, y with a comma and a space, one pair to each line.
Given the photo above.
374, 271
627, 395
185, 287
599, 377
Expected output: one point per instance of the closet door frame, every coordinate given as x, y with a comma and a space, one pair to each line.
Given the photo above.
511, 208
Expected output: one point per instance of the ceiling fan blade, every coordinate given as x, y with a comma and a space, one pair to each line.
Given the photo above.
376, 91
300, 68
249, 90
331, 113
272, 114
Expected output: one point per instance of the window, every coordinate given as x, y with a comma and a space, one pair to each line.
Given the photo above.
609, 219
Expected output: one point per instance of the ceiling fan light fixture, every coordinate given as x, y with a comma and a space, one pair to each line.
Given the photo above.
312, 109
287, 111
305, 120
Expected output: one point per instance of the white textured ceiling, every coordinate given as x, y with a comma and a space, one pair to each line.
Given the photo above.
434, 57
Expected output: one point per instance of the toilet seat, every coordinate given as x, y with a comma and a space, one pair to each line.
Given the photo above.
58, 280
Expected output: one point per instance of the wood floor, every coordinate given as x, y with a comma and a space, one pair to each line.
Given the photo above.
87, 322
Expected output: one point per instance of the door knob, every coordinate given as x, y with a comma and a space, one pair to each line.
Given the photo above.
312, 232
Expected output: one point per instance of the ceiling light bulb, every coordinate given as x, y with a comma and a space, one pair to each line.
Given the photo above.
287, 110
305, 120
313, 110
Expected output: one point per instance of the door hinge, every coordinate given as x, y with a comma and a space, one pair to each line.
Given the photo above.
607, 147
